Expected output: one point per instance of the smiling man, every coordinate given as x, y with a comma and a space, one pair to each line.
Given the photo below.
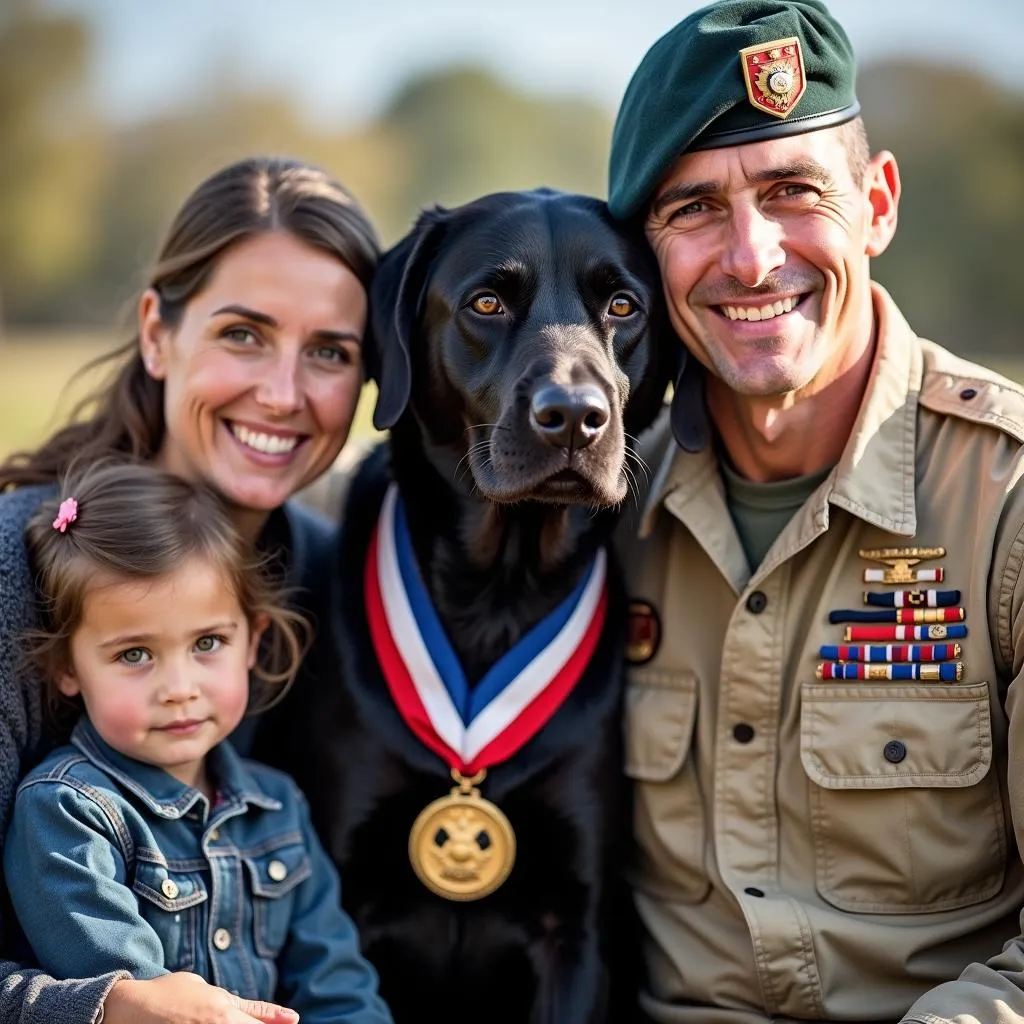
828, 615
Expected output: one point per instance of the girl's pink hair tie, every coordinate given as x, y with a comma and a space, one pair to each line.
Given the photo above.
66, 514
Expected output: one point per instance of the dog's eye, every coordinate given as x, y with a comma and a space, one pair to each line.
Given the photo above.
486, 305
621, 305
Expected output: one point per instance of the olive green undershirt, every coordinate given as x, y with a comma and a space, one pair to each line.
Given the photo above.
760, 511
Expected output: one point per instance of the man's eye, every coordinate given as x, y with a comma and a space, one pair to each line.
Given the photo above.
208, 644
134, 656
486, 305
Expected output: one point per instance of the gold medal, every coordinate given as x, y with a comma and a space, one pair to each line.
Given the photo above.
462, 846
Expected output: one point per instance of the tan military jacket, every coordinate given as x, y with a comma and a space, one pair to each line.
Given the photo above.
792, 862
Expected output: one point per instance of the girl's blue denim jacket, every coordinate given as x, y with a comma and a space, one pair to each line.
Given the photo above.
112, 864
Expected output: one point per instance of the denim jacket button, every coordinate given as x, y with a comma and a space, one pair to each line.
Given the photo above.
169, 889
277, 871
222, 938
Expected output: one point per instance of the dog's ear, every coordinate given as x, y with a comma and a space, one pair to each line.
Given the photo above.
396, 297
689, 415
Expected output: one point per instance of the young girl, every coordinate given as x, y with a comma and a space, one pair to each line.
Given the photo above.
147, 844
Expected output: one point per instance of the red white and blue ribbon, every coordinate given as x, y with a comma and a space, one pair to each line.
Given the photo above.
471, 727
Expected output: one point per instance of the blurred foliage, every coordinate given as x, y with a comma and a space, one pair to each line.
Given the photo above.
83, 203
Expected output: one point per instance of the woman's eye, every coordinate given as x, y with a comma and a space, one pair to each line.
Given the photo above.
241, 335
208, 644
134, 656
621, 305
333, 354
486, 305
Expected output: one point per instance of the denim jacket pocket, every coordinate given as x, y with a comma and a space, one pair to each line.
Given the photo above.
170, 896
275, 869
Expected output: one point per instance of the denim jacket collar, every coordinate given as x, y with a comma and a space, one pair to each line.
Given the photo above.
163, 794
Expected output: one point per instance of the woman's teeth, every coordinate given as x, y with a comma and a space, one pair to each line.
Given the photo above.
761, 312
270, 444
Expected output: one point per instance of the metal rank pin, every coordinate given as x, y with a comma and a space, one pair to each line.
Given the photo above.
944, 672
900, 565
912, 598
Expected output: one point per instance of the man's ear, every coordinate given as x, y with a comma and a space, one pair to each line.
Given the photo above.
153, 335
396, 297
257, 628
882, 187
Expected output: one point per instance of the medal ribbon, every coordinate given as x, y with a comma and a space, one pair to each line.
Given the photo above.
471, 728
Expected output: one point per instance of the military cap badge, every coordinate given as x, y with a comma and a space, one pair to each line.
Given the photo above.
774, 75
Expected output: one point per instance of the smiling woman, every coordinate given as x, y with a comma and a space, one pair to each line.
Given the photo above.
243, 376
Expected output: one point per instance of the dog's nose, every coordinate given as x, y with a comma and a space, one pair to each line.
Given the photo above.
569, 417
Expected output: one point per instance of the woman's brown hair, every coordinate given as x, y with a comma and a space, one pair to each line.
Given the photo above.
132, 522
255, 196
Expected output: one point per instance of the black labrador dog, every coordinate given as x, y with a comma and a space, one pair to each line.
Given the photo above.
518, 343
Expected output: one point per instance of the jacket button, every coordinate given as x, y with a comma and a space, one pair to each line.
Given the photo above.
742, 732
968, 393
277, 871
169, 889
752, 890
222, 938
757, 602
894, 751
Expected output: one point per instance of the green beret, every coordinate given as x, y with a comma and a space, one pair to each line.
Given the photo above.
733, 72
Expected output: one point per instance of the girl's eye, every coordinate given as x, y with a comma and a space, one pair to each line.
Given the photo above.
486, 305
621, 305
134, 656
209, 644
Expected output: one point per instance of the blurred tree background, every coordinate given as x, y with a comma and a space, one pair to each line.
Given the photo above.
83, 201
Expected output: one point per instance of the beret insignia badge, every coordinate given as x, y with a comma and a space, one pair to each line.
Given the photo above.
774, 75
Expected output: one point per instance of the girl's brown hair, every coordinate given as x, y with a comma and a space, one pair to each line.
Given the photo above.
135, 522
248, 198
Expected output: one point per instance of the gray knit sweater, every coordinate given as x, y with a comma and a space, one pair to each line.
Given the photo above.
29, 996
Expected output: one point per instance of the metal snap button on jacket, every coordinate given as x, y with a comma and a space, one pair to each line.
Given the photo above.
894, 751
222, 938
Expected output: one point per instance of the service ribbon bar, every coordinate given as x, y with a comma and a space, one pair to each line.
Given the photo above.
910, 576
912, 598
890, 652
947, 672
936, 631
899, 615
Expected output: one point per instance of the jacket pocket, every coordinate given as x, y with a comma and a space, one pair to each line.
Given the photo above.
906, 812
275, 869
170, 900
660, 712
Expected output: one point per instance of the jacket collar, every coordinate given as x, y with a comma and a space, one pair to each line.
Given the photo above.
874, 479
161, 792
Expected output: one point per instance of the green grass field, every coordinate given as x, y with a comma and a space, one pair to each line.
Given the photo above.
41, 379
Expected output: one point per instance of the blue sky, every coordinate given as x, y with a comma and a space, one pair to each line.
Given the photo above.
342, 59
